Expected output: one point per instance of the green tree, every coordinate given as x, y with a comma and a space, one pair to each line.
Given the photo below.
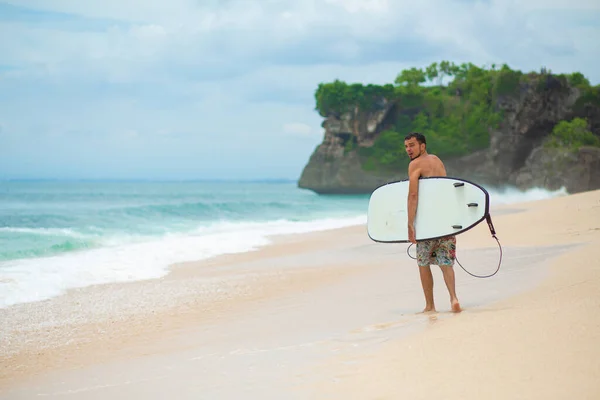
387, 152
446, 69
572, 135
339, 97
410, 79
579, 80
432, 71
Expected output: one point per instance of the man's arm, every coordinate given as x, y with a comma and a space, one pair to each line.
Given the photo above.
414, 172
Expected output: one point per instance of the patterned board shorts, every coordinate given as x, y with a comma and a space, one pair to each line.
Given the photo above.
440, 252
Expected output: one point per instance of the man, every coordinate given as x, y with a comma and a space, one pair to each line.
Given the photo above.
441, 252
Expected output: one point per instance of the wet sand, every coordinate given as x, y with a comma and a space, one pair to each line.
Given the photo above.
332, 315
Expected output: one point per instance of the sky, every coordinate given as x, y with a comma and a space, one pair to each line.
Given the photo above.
209, 89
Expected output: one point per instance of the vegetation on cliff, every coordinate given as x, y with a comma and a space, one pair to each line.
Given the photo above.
572, 135
455, 106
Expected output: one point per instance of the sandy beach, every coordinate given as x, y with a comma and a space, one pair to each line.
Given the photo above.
332, 315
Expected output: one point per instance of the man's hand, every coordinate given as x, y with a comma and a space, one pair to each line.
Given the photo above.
412, 234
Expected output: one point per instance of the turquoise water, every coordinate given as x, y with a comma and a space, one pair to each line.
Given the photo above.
46, 218
58, 235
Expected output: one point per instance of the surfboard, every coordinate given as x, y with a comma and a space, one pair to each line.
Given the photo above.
446, 206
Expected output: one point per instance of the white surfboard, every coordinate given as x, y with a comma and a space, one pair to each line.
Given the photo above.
447, 206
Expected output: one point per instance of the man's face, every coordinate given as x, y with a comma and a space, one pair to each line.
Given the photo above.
413, 148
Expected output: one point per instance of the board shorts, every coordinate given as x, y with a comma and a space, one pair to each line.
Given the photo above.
440, 252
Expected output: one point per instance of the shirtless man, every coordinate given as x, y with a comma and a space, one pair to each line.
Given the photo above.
441, 252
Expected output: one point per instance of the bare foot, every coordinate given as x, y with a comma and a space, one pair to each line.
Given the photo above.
429, 310
456, 306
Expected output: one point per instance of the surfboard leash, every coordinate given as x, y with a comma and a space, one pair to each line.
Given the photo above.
488, 219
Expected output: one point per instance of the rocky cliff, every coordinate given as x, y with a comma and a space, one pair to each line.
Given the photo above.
516, 153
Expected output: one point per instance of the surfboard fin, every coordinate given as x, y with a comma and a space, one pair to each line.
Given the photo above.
459, 184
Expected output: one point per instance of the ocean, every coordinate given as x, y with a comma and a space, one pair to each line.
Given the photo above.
59, 235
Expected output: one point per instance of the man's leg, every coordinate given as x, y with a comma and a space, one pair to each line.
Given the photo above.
446, 255
427, 283
423, 263
448, 271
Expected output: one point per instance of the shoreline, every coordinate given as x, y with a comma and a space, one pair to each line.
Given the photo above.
224, 291
141, 318
167, 267
275, 238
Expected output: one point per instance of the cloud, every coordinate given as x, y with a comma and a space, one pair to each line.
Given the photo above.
175, 80
227, 39
298, 129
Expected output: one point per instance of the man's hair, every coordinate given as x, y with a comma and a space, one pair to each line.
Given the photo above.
419, 136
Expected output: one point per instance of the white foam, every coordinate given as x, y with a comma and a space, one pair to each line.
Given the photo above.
511, 195
42, 278
44, 231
